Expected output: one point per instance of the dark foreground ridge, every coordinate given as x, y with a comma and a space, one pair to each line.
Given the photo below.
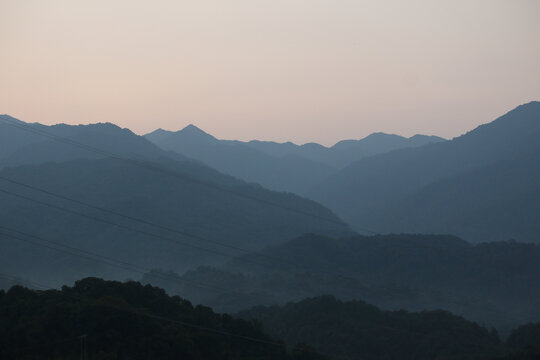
125, 321
98, 319
357, 330
490, 283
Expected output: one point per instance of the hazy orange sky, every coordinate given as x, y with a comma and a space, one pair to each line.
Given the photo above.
300, 70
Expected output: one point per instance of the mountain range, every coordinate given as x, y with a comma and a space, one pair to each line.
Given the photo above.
356, 330
278, 166
103, 320
28, 144
236, 224
161, 209
482, 186
492, 283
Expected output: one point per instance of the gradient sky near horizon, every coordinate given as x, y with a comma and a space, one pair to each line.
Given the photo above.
299, 70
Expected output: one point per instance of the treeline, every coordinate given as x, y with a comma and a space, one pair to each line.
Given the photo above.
125, 321
357, 330
494, 283
132, 321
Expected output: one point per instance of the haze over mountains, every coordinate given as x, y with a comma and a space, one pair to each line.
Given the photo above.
139, 181
167, 201
25, 144
201, 217
482, 186
279, 166
334, 196
356, 330
125, 321
492, 283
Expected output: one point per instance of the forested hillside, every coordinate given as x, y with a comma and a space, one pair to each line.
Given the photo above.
492, 283
356, 330
125, 321
191, 215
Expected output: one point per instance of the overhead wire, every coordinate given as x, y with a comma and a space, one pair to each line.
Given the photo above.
243, 258
102, 152
92, 256
128, 217
169, 172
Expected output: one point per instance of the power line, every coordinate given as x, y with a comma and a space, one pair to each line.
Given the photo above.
142, 221
16, 280
165, 172
161, 237
131, 217
88, 255
111, 223
124, 227
175, 174
107, 260
128, 217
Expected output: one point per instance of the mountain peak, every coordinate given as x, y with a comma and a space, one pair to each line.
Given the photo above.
427, 138
192, 128
160, 131
193, 133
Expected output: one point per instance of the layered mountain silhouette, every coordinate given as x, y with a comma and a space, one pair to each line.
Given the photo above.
131, 176
283, 167
483, 186
102, 320
357, 330
126, 321
24, 143
492, 283
344, 152
202, 218
287, 173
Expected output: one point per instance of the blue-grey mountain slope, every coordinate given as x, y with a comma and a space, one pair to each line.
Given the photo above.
23, 143
283, 167
492, 283
112, 168
187, 197
286, 173
345, 152
482, 186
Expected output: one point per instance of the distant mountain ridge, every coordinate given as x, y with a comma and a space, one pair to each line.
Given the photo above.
345, 152
287, 173
25, 144
226, 211
357, 330
114, 169
492, 283
481, 186
391, 192
282, 167
339, 155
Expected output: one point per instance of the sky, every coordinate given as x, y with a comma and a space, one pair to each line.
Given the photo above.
298, 70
